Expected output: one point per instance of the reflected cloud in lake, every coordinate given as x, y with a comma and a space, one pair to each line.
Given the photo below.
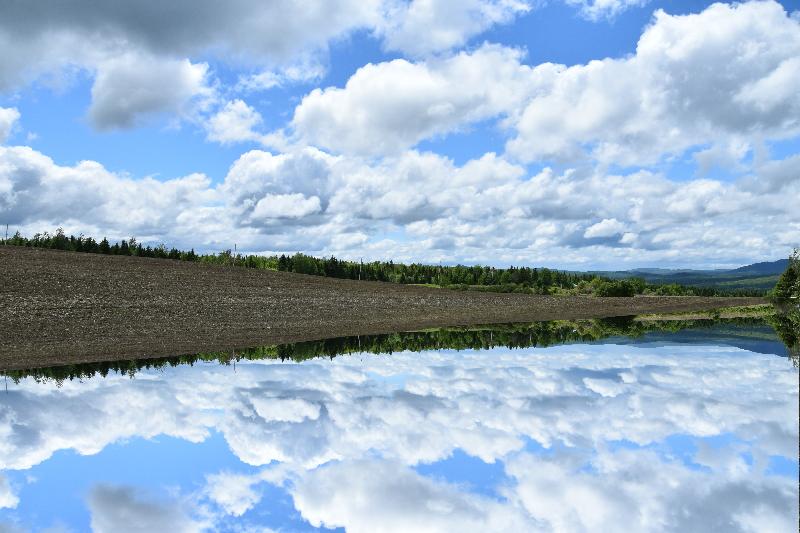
652, 436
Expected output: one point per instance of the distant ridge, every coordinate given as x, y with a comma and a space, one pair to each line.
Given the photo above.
763, 275
765, 268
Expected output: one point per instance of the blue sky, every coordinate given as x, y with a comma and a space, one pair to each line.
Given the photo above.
571, 437
576, 133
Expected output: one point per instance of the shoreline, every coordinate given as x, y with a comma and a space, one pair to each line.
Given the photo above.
63, 308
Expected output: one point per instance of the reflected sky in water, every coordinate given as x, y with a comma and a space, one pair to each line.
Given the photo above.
647, 435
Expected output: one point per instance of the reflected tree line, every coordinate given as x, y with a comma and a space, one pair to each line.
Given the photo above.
537, 334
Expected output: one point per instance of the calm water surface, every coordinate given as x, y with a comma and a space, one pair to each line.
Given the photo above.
685, 431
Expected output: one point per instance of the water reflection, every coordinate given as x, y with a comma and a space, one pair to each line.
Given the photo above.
754, 334
680, 431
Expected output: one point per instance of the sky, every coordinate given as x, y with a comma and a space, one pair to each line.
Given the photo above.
654, 436
563, 133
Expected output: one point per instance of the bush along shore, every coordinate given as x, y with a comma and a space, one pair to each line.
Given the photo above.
475, 278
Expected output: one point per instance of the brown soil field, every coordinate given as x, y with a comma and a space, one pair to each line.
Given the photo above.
63, 307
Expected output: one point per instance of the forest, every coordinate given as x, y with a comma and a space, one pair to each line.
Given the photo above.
459, 277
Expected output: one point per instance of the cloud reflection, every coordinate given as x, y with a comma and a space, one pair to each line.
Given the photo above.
597, 437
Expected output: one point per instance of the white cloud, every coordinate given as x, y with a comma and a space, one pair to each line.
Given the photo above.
608, 227
8, 499
285, 206
236, 122
773, 176
305, 70
485, 210
233, 492
391, 106
553, 491
261, 186
671, 95
674, 97
33, 187
122, 510
77, 32
129, 88
282, 42
596, 10
340, 423
420, 27
386, 497
142, 64
728, 155
8, 118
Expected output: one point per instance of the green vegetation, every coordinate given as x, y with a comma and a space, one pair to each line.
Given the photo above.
786, 299
464, 338
759, 276
788, 286
740, 311
459, 277
787, 326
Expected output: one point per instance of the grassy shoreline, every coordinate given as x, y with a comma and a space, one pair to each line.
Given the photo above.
740, 311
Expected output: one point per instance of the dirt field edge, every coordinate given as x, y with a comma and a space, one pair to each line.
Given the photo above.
64, 307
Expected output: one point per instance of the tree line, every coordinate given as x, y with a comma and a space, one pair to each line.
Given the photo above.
459, 277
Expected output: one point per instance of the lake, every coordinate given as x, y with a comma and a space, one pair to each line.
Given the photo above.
610, 425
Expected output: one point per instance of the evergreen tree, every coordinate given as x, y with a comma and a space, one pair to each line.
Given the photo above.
788, 285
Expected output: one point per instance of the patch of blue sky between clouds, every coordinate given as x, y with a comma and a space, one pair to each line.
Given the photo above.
155, 467
468, 472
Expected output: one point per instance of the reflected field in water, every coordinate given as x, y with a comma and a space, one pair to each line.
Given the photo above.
772, 335
615, 425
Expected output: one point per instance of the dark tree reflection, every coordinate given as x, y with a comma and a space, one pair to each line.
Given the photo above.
460, 338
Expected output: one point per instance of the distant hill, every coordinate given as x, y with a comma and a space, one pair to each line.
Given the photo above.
762, 275
764, 269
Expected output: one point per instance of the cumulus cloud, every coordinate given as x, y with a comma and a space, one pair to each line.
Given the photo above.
235, 122
727, 155
596, 10
234, 493
261, 187
774, 175
33, 187
285, 206
347, 423
385, 496
122, 510
391, 106
423, 26
271, 32
141, 63
671, 95
8, 499
281, 41
8, 117
485, 209
608, 227
553, 491
129, 88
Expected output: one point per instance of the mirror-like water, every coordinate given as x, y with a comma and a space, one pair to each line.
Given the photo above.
588, 430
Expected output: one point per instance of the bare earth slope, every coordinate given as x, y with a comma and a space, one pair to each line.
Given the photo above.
63, 307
